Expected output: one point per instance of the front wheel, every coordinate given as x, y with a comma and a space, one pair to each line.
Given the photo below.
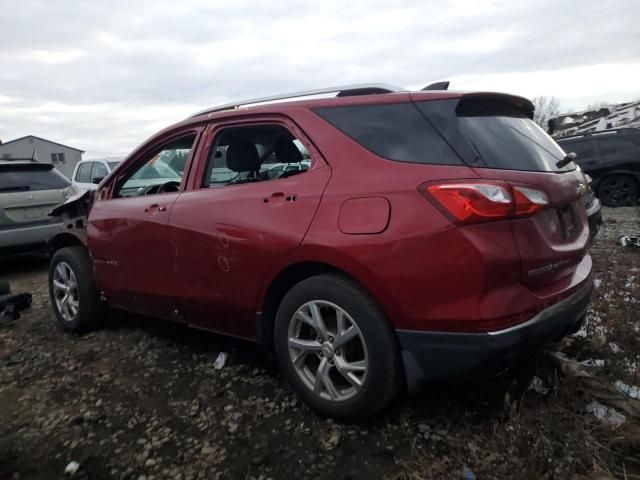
618, 190
74, 298
336, 348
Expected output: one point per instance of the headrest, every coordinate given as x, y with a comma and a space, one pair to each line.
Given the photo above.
243, 157
287, 152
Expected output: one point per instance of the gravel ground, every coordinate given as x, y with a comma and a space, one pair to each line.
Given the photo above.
141, 399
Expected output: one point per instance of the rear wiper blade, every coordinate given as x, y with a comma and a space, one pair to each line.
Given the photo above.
570, 157
17, 188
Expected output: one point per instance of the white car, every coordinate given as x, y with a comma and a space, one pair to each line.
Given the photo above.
88, 173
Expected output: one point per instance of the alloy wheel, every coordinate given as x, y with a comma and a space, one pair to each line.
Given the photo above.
65, 291
617, 191
327, 350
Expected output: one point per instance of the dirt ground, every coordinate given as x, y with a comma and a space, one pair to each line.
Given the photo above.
141, 399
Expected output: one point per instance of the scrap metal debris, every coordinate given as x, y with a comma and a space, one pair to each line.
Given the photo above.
220, 360
606, 415
11, 304
599, 389
630, 391
72, 468
538, 386
593, 362
332, 441
629, 240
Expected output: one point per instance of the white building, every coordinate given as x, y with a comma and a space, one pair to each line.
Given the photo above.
42, 150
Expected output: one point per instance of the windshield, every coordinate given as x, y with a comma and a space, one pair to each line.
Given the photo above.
157, 168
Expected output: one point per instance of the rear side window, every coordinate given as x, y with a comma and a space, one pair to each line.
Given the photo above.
99, 171
393, 131
84, 172
24, 178
254, 153
492, 133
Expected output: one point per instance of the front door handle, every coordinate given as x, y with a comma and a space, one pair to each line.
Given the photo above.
275, 199
279, 198
153, 208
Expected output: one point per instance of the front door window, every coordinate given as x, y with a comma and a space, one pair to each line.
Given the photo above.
160, 172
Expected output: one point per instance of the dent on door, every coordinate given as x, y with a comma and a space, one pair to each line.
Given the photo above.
228, 238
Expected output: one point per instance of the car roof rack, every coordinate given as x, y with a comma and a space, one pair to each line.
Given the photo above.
343, 91
601, 132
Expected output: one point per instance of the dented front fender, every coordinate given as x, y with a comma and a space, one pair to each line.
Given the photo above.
73, 213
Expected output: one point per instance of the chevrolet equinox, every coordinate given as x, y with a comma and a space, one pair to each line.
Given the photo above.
374, 239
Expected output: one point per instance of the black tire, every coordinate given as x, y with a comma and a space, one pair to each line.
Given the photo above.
618, 190
384, 372
90, 311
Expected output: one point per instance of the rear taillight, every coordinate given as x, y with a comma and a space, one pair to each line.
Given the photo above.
481, 201
528, 200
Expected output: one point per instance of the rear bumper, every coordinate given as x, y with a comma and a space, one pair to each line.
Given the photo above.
26, 238
431, 355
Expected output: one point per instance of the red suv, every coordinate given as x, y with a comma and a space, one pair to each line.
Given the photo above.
374, 239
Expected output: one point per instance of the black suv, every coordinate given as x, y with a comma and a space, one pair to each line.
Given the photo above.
612, 158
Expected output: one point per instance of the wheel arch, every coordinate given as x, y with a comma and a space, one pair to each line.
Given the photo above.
296, 272
64, 239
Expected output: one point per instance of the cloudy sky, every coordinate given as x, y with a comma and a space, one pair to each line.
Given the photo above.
103, 75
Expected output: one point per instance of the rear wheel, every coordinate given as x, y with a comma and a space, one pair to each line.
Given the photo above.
74, 298
336, 348
618, 190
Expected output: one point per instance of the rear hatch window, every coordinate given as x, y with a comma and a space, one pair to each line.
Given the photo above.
15, 178
495, 131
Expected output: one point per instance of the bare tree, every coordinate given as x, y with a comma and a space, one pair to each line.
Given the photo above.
546, 109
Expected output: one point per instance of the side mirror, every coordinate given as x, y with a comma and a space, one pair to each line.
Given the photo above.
97, 180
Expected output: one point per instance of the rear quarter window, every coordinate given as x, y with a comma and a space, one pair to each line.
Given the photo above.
84, 172
393, 131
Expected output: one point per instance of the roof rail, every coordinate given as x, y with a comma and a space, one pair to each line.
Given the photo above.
343, 91
600, 132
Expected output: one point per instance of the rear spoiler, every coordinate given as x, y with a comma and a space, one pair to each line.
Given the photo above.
25, 165
479, 104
